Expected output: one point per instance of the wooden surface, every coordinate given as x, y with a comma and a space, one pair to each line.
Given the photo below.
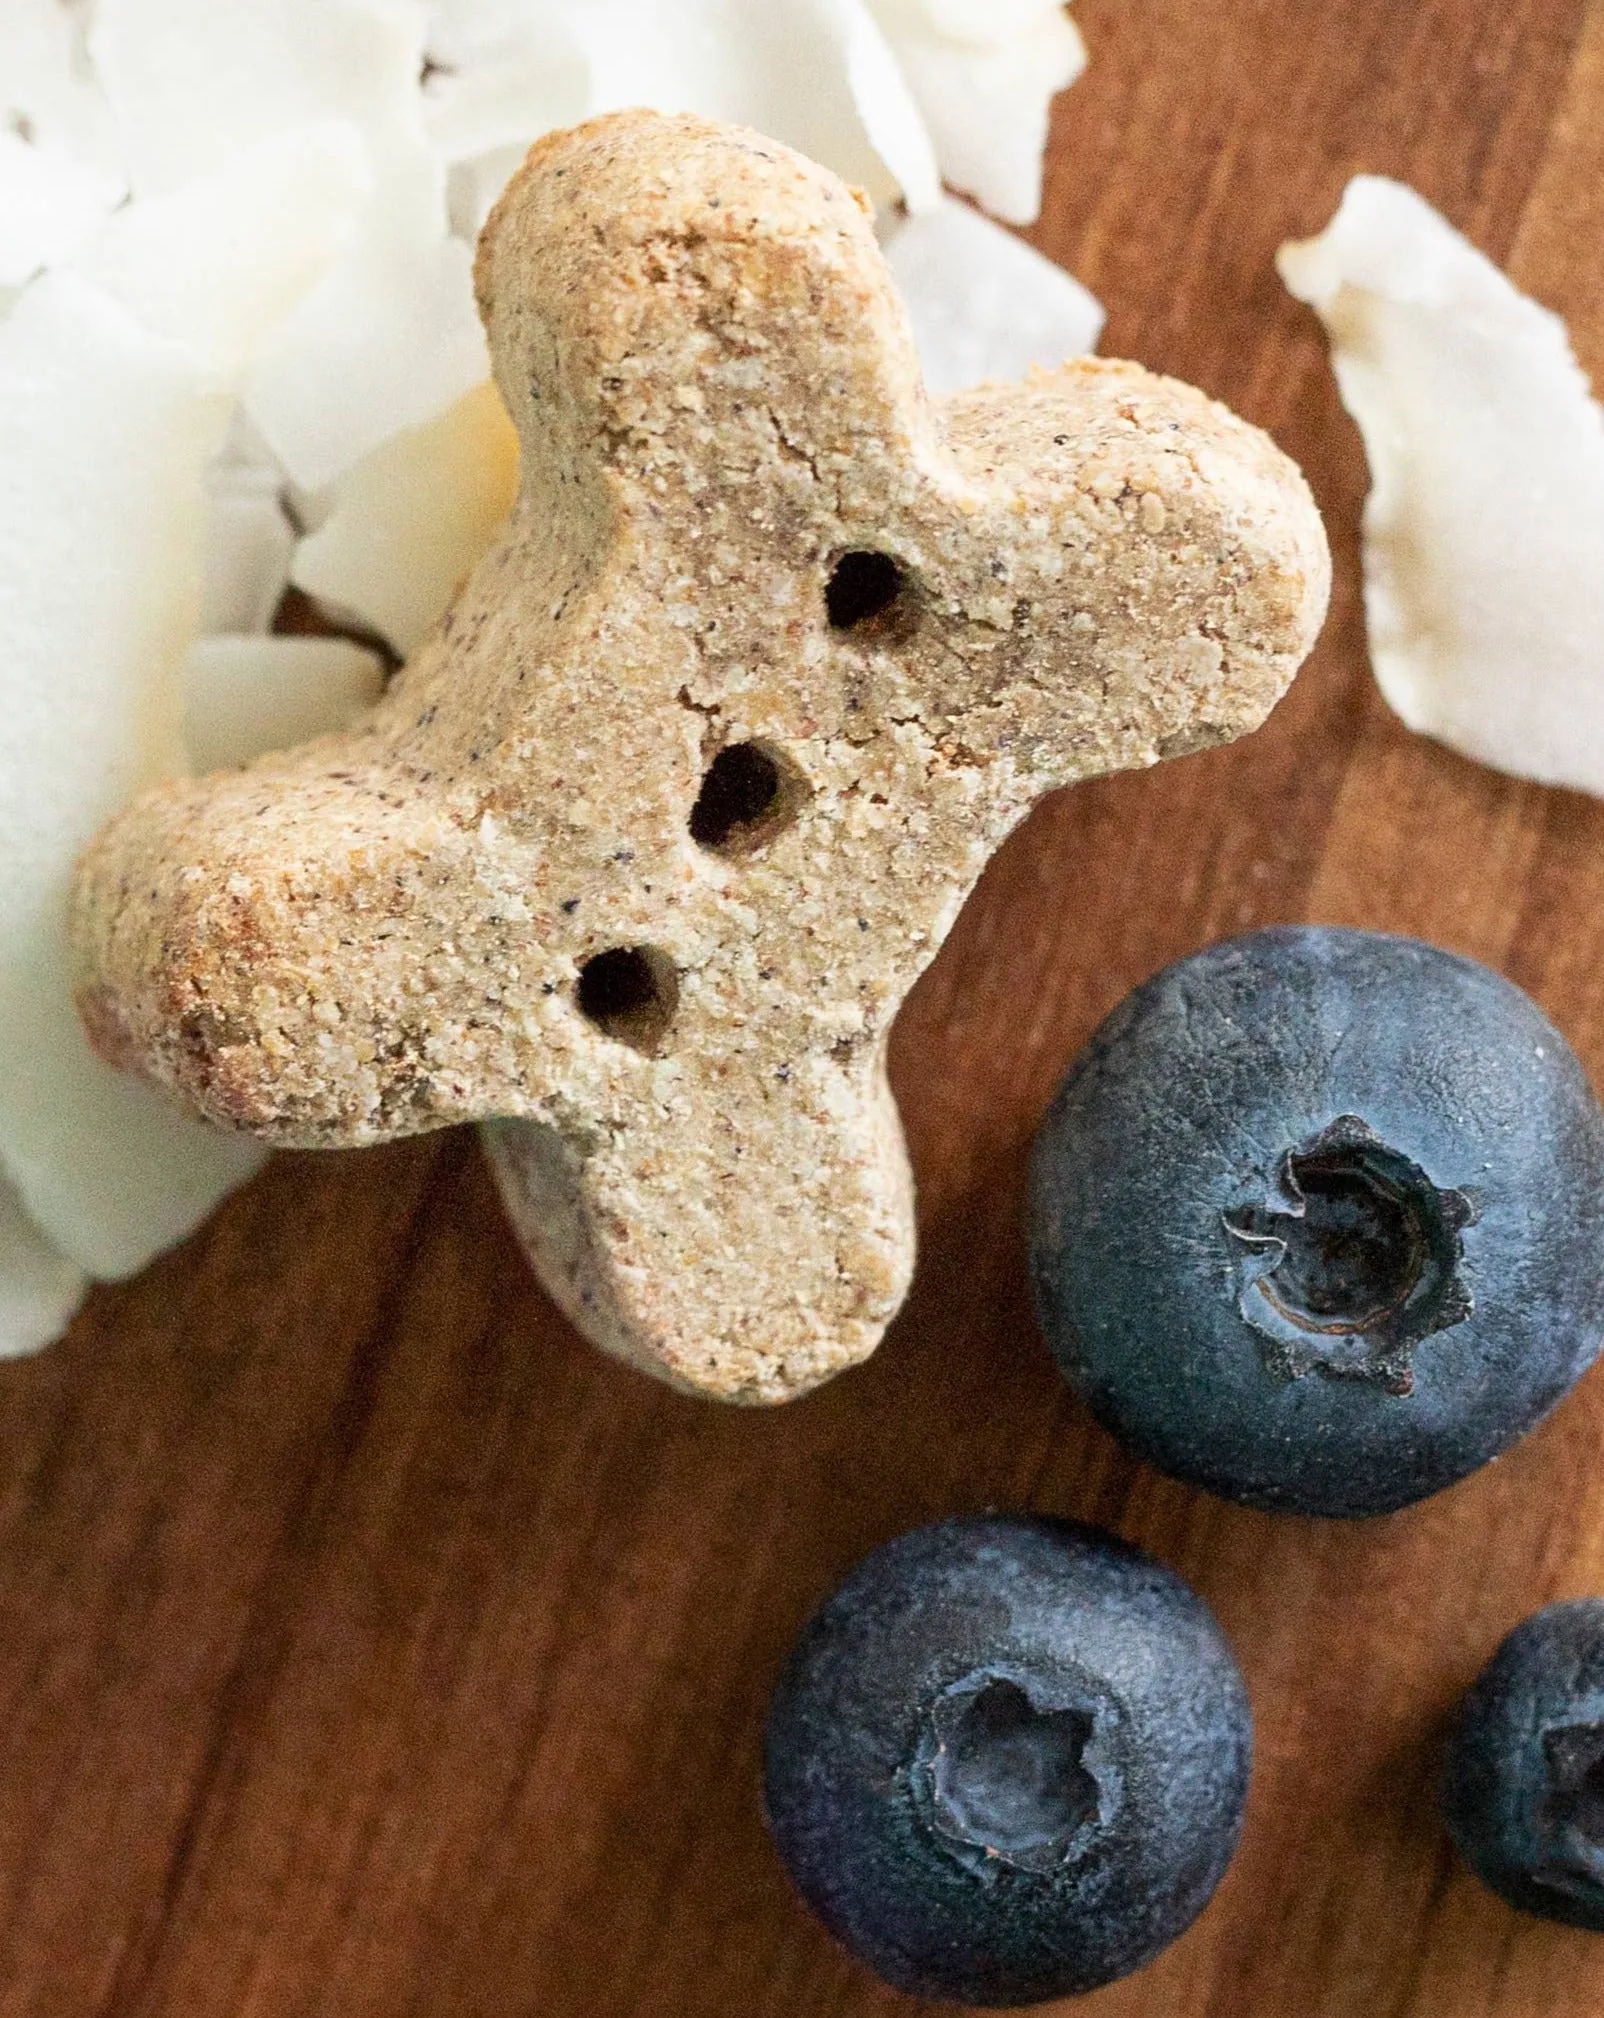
370, 1646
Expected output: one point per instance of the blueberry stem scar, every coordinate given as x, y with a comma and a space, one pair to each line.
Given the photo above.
1356, 1262
1011, 1777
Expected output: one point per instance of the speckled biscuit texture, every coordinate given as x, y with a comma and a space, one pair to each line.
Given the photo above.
638, 857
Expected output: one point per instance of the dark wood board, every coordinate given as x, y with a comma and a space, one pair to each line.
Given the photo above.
369, 1646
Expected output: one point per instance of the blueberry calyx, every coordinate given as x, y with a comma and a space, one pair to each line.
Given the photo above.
1355, 1261
1573, 1816
1008, 1775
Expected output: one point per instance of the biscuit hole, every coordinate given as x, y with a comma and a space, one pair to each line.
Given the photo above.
862, 586
630, 993
748, 795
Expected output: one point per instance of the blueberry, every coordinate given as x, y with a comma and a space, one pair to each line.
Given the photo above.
1317, 1220
1523, 1786
1007, 1760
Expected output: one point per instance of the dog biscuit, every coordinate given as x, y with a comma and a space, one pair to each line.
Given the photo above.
640, 854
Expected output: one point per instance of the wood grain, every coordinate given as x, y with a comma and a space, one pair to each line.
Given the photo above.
370, 1647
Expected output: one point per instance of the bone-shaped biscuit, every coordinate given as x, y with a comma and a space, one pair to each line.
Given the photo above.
642, 852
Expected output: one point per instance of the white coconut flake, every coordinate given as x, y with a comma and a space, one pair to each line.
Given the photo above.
195, 82
109, 428
982, 303
984, 78
982, 23
816, 74
40, 1289
60, 166
48, 95
1484, 528
390, 339
500, 73
250, 534
411, 520
472, 188
245, 696
225, 257
50, 205
892, 117
249, 543
106, 432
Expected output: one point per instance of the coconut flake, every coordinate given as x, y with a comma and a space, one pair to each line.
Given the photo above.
816, 74
108, 427
390, 339
48, 95
60, 167
472, 188
981, 23
50, 205
390, 336
250, 534
249, 542
982, 303
1484, 528
984, 78
892, 117
40, 1288
500, 73
413, 518
195, 82
225, 257
105, 435
245, 696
